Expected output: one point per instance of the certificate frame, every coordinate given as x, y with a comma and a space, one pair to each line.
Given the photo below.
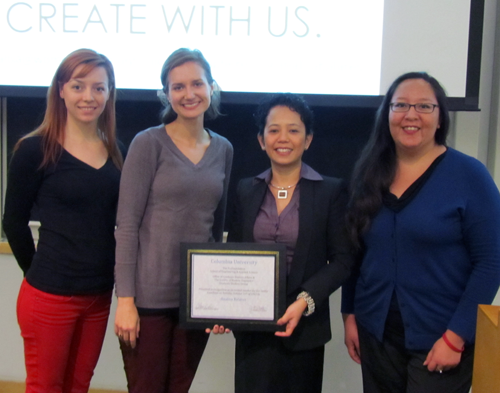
202, 260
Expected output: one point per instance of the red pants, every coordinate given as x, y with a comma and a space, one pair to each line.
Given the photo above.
63, 337
165, 358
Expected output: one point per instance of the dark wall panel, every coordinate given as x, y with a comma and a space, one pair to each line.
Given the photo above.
339, 133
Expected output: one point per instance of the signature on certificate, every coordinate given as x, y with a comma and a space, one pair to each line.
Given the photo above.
258, 309
201, 306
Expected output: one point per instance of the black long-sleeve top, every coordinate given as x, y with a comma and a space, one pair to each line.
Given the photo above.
76, 205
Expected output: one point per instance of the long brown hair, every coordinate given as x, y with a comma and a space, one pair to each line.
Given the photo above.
54, 121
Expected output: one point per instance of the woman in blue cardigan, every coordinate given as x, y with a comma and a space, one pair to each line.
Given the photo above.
426, 220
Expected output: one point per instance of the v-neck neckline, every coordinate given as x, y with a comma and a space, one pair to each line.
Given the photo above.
180, 154
85, 163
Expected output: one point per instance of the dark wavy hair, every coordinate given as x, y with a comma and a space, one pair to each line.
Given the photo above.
375, 169
176, 59
292, 101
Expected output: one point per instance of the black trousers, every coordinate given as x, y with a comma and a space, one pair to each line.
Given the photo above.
388, 367
264, 365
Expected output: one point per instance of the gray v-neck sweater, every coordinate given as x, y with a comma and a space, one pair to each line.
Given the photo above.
165, 199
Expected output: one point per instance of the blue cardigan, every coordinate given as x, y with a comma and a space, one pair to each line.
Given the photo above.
440, 253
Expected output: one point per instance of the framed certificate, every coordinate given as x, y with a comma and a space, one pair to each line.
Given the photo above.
239, 285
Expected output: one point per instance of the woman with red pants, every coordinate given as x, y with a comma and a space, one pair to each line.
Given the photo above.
69, 170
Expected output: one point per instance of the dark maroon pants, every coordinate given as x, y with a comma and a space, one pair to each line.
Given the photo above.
165, 358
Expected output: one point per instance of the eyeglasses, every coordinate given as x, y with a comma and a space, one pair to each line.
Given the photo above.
404, 107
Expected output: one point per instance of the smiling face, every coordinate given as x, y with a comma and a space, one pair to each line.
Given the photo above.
414, 131
189, 91
284, 138
85, 97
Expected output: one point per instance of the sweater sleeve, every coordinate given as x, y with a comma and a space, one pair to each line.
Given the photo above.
137, 177
23, 182
340, 260
481, 231
220, 212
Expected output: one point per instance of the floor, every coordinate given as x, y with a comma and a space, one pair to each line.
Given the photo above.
18, 387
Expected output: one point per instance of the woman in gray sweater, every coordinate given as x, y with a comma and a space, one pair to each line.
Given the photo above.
173, 189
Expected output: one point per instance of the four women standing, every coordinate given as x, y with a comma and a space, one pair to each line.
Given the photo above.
423, 217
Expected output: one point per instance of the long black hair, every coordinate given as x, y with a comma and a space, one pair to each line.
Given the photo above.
375, 169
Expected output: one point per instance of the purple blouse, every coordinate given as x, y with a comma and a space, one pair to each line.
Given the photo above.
270, 227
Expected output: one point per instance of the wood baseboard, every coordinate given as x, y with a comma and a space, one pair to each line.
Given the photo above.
5, 248
18, 387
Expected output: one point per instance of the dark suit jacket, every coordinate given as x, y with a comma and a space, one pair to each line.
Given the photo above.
321, 261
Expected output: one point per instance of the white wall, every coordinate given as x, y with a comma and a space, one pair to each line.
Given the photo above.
475, 133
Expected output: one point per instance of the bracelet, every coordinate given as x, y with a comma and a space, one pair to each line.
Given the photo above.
311, 306
452, 347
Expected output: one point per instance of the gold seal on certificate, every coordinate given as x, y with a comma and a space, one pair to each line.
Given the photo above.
239, 285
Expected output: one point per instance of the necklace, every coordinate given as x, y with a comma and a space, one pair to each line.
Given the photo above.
283, 191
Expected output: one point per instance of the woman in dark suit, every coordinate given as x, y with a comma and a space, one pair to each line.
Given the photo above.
292, 204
